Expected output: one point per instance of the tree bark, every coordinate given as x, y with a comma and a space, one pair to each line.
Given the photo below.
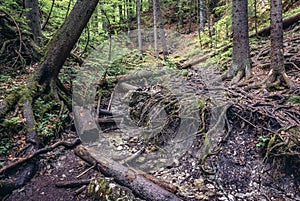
241, 63
161, 30
33, 18
155, 28
201, 15
138, 13
180, 8
277, 74
63, 42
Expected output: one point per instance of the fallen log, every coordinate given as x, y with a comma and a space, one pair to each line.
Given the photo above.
126, 176
193, 63
287, 22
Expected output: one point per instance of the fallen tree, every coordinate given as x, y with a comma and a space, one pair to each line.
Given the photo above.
287, 22
128, 177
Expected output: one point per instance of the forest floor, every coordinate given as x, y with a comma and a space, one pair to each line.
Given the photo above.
247, 165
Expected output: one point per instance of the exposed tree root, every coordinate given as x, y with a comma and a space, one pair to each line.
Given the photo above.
68, 145
274, 80
26, 167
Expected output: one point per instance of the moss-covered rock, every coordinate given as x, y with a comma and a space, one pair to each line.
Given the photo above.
105, 189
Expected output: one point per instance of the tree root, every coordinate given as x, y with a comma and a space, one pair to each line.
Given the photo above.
67, 145
274, 80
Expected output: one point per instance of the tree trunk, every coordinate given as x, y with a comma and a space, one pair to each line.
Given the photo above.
104, 23
241, 63
162, 30
277, 74
138, 9
189, 30
65, 39
155, 28
33, 18
120, 7
201, 16
180, 8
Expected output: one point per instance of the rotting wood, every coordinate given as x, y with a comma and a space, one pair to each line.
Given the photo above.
126, 176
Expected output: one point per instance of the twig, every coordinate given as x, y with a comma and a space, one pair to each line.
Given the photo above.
72, 184
98, 107
86, 171
133, 156
80, 190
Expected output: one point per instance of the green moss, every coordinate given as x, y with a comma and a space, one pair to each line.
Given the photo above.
184, 72
294, 99
105, 189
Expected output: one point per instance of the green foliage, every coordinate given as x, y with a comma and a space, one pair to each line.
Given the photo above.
9, 127
263, 141
11, 6
5, 145
49, 122
169, 63
58, 13
125, 63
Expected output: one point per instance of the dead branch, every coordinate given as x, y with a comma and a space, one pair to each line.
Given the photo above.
72, 184
67, 145
126, 176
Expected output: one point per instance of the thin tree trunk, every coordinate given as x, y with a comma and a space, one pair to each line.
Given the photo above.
201, 16
48, 17
180, 21
68, 9
190, 18
162, 30
120, 7
255, 16
96, 20
104, 24
138, 6
33, 18
155, 28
